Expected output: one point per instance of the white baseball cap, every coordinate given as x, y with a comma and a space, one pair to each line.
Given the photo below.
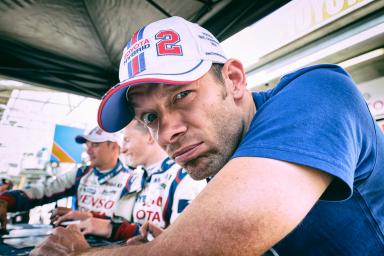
170, 51
98, 135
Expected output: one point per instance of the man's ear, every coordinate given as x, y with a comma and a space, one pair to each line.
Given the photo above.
116, 146
234, 76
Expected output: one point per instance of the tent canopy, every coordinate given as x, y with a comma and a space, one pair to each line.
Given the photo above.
75, 46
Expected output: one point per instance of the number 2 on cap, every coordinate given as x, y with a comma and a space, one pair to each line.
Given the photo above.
167, 44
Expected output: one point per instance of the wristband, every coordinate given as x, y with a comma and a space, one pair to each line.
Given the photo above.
115, 227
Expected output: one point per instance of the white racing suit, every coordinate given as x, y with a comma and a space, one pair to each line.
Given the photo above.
158, 194
95, 191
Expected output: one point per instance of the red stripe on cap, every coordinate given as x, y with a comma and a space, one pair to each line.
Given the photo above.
135, 61
135, 65
134, 38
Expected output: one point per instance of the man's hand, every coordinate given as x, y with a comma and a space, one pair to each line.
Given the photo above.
146, 231
96, 226
61, 214
3, 214
62, 241
5, 187
58, 212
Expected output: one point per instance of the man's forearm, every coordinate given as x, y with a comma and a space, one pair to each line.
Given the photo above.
3, 214
105, 250
220, 222
118, 250
17, 200
6, 201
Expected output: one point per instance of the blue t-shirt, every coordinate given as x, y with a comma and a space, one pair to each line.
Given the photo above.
316, 117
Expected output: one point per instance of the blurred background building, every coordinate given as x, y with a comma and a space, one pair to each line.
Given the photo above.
305, 32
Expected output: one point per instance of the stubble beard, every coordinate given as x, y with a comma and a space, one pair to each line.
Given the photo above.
228, 139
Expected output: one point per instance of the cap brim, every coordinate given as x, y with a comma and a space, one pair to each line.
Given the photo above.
115, 111
80, 139
84, 138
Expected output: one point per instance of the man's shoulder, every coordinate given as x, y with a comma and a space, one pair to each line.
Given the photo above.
313, 70
296, 82
83, 170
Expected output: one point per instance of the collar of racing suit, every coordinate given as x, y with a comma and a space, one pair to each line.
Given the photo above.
102, 177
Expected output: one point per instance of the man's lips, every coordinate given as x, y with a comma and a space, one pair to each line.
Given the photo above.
187, 153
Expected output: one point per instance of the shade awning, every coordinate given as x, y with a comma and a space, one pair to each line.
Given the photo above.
75, 46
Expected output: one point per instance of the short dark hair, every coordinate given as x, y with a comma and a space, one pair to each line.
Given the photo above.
216, 70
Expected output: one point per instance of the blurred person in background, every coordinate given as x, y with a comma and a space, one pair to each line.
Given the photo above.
97, 187
5, 185
159, 190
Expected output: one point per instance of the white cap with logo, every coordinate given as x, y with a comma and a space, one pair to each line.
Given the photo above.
170, 51
99, 135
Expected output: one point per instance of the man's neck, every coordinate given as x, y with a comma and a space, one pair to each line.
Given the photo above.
250, 111
106, 167
156, 157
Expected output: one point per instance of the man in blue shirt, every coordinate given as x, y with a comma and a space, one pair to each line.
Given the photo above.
298, 168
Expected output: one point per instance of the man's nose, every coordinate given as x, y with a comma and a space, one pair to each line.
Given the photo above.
123, 149
171, 127
88, 150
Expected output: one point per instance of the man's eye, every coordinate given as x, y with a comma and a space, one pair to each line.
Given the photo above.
95, 144
182, 94
148, 118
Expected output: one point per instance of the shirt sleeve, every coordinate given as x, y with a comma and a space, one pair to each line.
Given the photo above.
316, 118
182, 191
51, 191
124, 231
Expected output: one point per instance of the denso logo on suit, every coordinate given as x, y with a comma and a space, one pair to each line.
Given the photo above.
96, 202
